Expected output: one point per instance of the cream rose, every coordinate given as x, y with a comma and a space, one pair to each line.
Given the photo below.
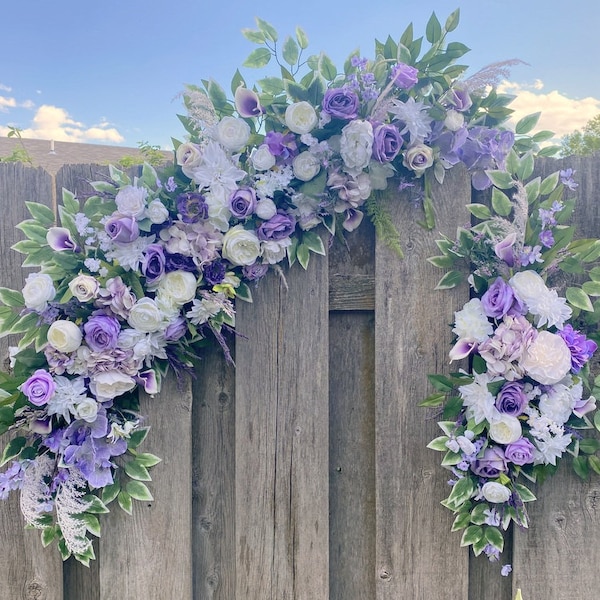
548, 358
109, 384
178, 286
84, 287
418, 158
356, 145
495, 492
241, 246
145, 316
131, 201
301, 117
262, 159
306, 165
188, 155
64, 336
505, 429
233, 133
157, 212
87, 410
38, 291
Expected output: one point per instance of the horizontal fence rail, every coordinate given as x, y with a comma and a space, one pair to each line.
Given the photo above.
303, 473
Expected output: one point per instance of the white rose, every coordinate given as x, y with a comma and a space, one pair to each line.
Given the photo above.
356, 145
306, 165
265, 209
157, 212
178, 286
38, 291
548, 358
241, 246
528, 286
262, 159
84, 287
131, 201
505, 429
273, 251
418, 158
188, 155
495, 492
109, 384
233, 133
301, 117
87, 410
454, 120
64, 336
145, 316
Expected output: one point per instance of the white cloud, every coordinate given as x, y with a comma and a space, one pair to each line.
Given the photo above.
6, 103
55, 123
5, 88
560, 114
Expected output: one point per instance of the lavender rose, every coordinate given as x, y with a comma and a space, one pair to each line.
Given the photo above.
39, 388
491, 464
278, 227
122, 229
242, 202
386, 142
498, 299
153, 263
192, 207
511, 400
520, 452
341, 103
102, 332
404, 76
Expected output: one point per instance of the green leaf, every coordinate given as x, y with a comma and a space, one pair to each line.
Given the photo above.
271, 85
258, 58
92, 523
313, 241
450, 280
433, 30
438, 443
34, 231
147, 459
501, 203
441, 382
472, 534
139, 491
442, 262
434, 400
463, 489
579, 299
481, 211
254, 36
303, 255
326, 67
96, 505
110, 492
549, 184
461, 521
532, 188
137, 437
49, 534
290, 51
125, 502
13, 449
267, 29
494, 537
591, 288
243, 292
594, 463
453, 20
527, 123
41, 213
302, 38
69, 201
501, 179
525, 168
10, 297
580, 466
525, 493
589, 445
137, 471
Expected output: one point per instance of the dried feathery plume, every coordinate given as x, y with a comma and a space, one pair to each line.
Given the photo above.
199, 108
69, 506
489, 76
35, 493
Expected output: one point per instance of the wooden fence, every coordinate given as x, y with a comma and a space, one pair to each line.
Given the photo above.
303, 474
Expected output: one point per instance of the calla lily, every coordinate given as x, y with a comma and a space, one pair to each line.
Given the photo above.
59, 238
247, 102
149, 381
519, 596
461, 349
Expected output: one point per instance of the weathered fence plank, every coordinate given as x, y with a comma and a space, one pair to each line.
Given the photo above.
352, 420
282, 421
26, 569
417, 556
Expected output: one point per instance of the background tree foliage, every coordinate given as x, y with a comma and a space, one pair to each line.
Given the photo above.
584, 142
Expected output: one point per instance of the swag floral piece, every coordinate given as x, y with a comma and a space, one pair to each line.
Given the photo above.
137, 278
529, 331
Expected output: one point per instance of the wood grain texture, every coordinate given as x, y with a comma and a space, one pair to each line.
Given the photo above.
282, 524
417, 556
213, 445
27, 570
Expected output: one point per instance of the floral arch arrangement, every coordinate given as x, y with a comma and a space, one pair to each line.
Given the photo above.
136, 279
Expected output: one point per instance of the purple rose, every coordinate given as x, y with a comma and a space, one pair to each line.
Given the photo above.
153, 263
192, 207
121, 229
498, 299
511, 399
520, 452
39, 388
176, 329
242, 202
276, 228
255, 272
386, 142
404, 76
459, 99
214, 272
341, 103
491, 464
179, 262
102, 332
284, 147
581, 348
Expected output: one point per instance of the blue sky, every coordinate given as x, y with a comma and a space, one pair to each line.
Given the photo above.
110, 72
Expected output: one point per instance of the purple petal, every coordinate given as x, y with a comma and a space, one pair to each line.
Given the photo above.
59, 239
247, 102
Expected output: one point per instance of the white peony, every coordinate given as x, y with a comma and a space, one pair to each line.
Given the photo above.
131, 201
274, 251
106, 385
232, 133
84, 287
495, 492
178, 286
356, 145
145, 316
306, 165
548, 358
157, 212
262, 159
471, 323
64, 336
559, 401
38, 291
301, 117
505, 429
241, 246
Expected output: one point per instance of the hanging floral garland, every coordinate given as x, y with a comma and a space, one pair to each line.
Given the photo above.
138, 278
